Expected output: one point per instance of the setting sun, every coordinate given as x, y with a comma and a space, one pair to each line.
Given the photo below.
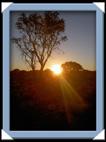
56, 69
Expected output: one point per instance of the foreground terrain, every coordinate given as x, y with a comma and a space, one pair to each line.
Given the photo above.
43, 101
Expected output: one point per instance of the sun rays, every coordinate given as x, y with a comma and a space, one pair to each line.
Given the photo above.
56, 68
71, 99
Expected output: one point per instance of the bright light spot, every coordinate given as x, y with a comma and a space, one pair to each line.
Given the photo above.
57, 69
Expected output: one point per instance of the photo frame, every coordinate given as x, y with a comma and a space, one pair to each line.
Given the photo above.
99, 133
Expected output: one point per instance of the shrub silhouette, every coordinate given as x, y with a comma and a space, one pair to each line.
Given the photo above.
71, 66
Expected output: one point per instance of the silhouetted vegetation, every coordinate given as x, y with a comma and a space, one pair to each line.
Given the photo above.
41, 34
49, 102
72, 66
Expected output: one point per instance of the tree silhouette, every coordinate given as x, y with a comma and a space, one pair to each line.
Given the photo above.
71, 66
40, 35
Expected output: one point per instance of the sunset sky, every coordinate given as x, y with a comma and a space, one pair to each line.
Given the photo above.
80, 29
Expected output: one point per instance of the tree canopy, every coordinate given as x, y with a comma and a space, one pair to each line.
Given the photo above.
72, 66
41, 34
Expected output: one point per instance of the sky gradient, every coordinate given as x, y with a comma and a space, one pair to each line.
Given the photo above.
80, 29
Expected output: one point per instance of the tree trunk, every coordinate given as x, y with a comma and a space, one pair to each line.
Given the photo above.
41, 69
33, 68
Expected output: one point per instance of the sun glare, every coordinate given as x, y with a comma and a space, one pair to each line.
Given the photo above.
57, 69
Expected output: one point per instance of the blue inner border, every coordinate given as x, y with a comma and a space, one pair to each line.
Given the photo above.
99, 69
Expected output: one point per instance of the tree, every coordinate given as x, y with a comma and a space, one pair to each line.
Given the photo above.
71, 66
27, 53
41, 34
